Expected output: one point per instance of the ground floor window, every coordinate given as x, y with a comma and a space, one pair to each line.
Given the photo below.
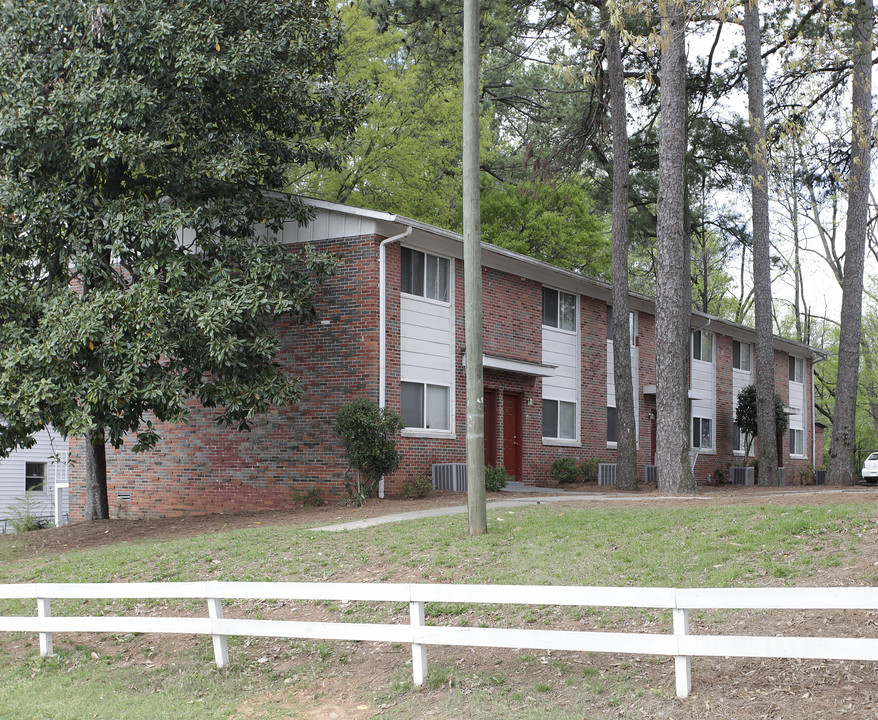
702, 433
612, 425
797, 442
35, 477
559, 419
425, 406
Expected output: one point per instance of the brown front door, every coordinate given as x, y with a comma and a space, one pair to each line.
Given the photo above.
512, 434
490, 427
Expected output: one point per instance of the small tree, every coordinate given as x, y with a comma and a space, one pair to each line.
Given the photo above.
368, 434
745, 416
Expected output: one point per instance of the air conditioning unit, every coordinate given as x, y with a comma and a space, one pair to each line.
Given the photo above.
742, 475
449, 476
650, 474
606, 473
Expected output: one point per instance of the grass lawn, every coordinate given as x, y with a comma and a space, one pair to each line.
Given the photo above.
138, 676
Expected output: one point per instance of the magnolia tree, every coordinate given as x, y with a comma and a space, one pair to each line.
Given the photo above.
746, 416
121, 123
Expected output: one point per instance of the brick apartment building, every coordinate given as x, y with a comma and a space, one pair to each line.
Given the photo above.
391, 329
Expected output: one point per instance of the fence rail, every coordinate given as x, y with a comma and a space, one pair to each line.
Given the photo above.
681, 645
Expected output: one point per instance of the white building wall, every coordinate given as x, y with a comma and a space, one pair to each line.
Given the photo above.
51, 449
561, 349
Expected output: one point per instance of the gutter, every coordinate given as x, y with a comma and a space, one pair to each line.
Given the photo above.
382, 323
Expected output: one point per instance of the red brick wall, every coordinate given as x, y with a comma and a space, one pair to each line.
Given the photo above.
202, 468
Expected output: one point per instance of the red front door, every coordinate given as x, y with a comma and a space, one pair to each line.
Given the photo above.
490, 427
512, 434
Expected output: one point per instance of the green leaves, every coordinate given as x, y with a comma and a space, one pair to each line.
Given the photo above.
121, 124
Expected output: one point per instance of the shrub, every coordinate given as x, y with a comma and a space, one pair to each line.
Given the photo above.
24, 516
419, 486
310, 498
589, 470
496, 478
565, 470
368, 433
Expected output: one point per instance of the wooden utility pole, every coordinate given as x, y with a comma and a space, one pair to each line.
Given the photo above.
472, 276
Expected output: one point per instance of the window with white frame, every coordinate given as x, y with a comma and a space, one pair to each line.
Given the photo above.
424, 275
425, 406
797, 369
702, 346
797, 442
559, 309
741, 355
559, 419
702, 433
35, 476
632, 325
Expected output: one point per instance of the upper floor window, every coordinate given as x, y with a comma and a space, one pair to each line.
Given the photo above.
559, 309
424, 275
632, 325
702, 345
797, 369
741, 354
35, 477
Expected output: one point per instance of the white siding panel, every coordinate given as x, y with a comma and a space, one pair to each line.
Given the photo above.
562, 350
703, 385
426, 341
797, 400
740, 380
12, 469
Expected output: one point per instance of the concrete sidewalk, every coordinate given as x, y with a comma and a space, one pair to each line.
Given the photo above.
516, 502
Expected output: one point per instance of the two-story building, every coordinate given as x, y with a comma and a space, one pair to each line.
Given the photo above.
391, 329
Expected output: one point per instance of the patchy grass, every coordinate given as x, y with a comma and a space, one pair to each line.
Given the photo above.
135, 676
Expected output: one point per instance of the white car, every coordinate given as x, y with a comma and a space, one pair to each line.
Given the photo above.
870, 468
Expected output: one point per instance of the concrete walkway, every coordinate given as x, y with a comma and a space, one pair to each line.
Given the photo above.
516, 502
541, 495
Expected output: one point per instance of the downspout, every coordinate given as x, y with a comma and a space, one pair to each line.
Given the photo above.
814, 419
382, 323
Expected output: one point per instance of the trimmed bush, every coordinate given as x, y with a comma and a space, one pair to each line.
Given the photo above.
496, 478
565, 470
589, 470
419, 486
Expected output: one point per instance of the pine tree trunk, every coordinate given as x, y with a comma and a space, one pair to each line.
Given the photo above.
765, 408
842, 452
626, 441
97, 505
673, 297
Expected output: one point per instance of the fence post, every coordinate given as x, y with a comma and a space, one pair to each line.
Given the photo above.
220, 642
419, 652
682, 663
44, 610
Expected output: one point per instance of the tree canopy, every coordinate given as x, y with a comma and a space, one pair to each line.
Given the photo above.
121, 123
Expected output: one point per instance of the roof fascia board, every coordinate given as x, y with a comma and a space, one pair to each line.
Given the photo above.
509, 261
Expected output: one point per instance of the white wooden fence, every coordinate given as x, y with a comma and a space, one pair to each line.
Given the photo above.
680, 645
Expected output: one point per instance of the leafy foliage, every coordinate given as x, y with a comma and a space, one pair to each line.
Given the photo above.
565, 470
25, 515
496, 478
552, 221
368, 434
745, 416
419, 486
120, 124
